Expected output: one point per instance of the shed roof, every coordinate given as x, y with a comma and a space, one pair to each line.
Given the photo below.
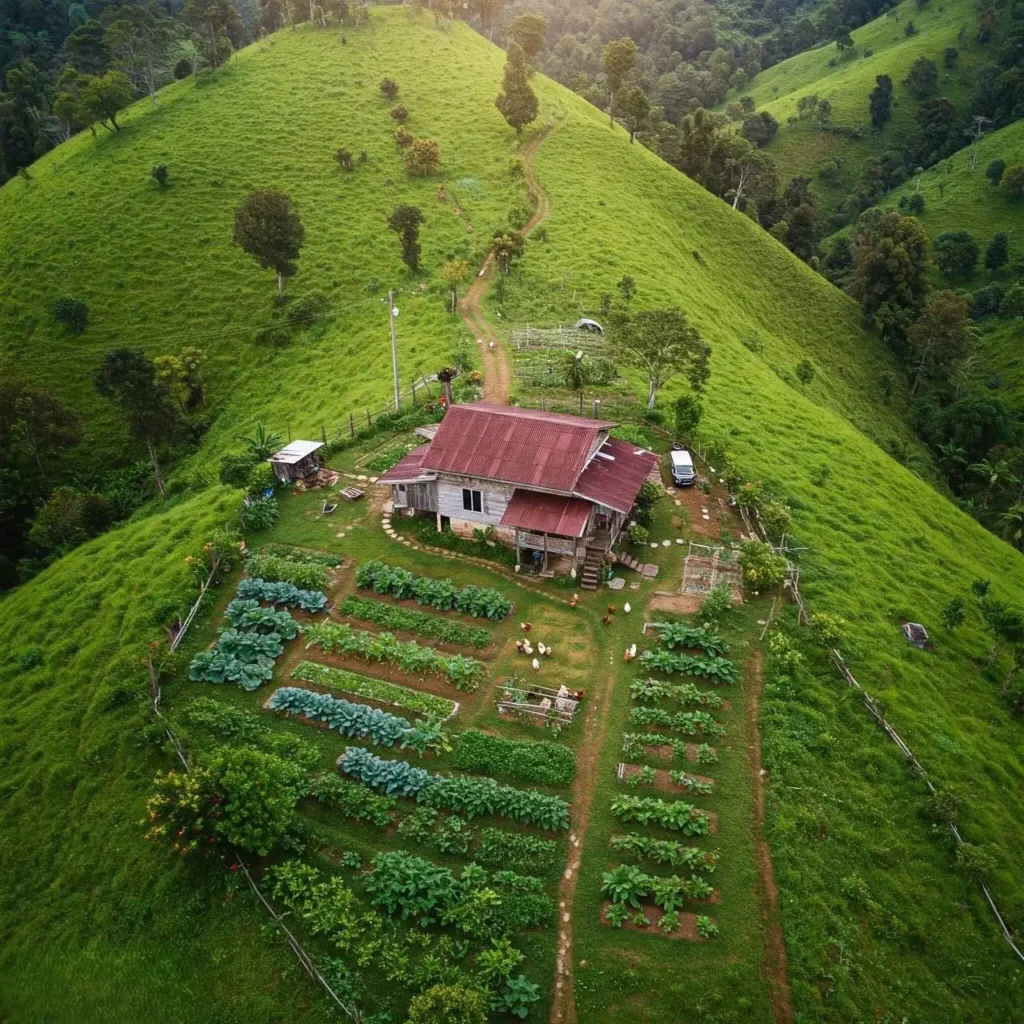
296, 451
518, 446
408, 469
615, 474
547, 513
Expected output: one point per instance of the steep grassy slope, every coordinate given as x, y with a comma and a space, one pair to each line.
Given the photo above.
883, 545
159, 268
92, 917
802, 149
957, 199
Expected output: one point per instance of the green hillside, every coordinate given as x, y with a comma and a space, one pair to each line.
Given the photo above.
957, 199
158, 269
845, 81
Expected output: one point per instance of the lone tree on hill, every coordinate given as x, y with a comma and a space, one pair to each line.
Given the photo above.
129, 379
389, 89
922, 78
843, 39
1012, 182
528, 31
92, 99
619, 59
880, 102
507, 246
270, 231
517, 101
405, 221
453, 273
998, 251
636, 111
662, 343
422, 157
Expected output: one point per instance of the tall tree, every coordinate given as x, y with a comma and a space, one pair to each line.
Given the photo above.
129, 379
140, 39
269, 230
528, 31
940, 337
517, 101
997, 252
405, 221
922, 78
507, 246
956, 254
662, 344
217, 26
87, 49
90, 99
453, 273
619, 59
880, 102
636, 111
890, 276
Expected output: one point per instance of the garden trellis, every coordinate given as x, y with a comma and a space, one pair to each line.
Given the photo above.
558, 338
706, 566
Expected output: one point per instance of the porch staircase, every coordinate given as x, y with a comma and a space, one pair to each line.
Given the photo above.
590, 578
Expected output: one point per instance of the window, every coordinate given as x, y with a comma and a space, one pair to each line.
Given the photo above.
471, 500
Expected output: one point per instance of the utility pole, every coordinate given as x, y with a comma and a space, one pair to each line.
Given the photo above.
392, 313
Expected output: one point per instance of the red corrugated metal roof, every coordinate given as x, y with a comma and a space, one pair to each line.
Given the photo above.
615, 481
518, 446
408, 468
547, 513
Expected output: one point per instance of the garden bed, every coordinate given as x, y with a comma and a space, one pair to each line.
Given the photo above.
661, 778
687, 929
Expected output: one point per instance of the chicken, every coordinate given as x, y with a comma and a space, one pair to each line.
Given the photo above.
542, 649
630, 653
627, 608
547, 652
525, 626
607, 620
536, 665
574, 600
611, 609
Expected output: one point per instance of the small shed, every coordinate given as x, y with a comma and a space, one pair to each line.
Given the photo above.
297, 461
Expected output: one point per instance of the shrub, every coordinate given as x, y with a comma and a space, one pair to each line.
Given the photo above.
994, 171
72, 313
950, 56
159, 175
804, 371
389, 89
235, 468
344, 160
637, 535
448, 1004
717, 603
308, 308
986, 301
400, 114
1012, 182
403, 137
385, 460
422, 157
259, 513
829, 630
956, 254
544, 763
762, 568
1013, 302
916, 204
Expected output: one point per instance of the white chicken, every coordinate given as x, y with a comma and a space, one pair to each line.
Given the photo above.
541, 649
630, 653
626, 608
536, 665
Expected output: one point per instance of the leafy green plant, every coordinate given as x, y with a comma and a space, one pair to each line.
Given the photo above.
718, 602
651, 691
635, 744
287, 594
545, 763
304, 574
515, 849
669, 921
259, 513
692, 723
480, 602
675, 815
398, 777
706, 755
250, 615
408, 656
665, 851
690, 784
677, 634
374, 689
706, 928
626, 884
715, 670
516, 997
408, 621
616, 914
762, 568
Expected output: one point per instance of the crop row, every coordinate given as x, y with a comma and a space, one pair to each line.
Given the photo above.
649, 775
359, 721
715, 670
544, 763
666, 851
442, 594
287, 594
446, 631
351, 800
406, 655
374, 689
689, 722
469, 796
677, 634
676, 815
628, 884
274, 568
651, 691
294, 554
634, 745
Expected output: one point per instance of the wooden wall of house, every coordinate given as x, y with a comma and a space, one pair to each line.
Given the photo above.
419, 496
494, 499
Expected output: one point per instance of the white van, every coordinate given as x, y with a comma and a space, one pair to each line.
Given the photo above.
683, 473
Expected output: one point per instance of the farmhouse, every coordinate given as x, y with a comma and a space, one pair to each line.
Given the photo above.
558, 488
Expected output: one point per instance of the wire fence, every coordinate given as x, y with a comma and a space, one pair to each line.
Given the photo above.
792, 585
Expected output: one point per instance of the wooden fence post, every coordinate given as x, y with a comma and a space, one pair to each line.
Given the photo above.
352, 424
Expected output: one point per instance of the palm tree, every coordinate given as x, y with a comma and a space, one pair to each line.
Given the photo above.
1012, 521
994, 474
261, 445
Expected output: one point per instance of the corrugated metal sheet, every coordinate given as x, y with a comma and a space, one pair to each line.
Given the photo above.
615, 475
295, 452
547, 513
408, 469
519, 446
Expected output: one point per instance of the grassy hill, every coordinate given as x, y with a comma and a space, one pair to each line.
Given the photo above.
158, 268
802, 149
